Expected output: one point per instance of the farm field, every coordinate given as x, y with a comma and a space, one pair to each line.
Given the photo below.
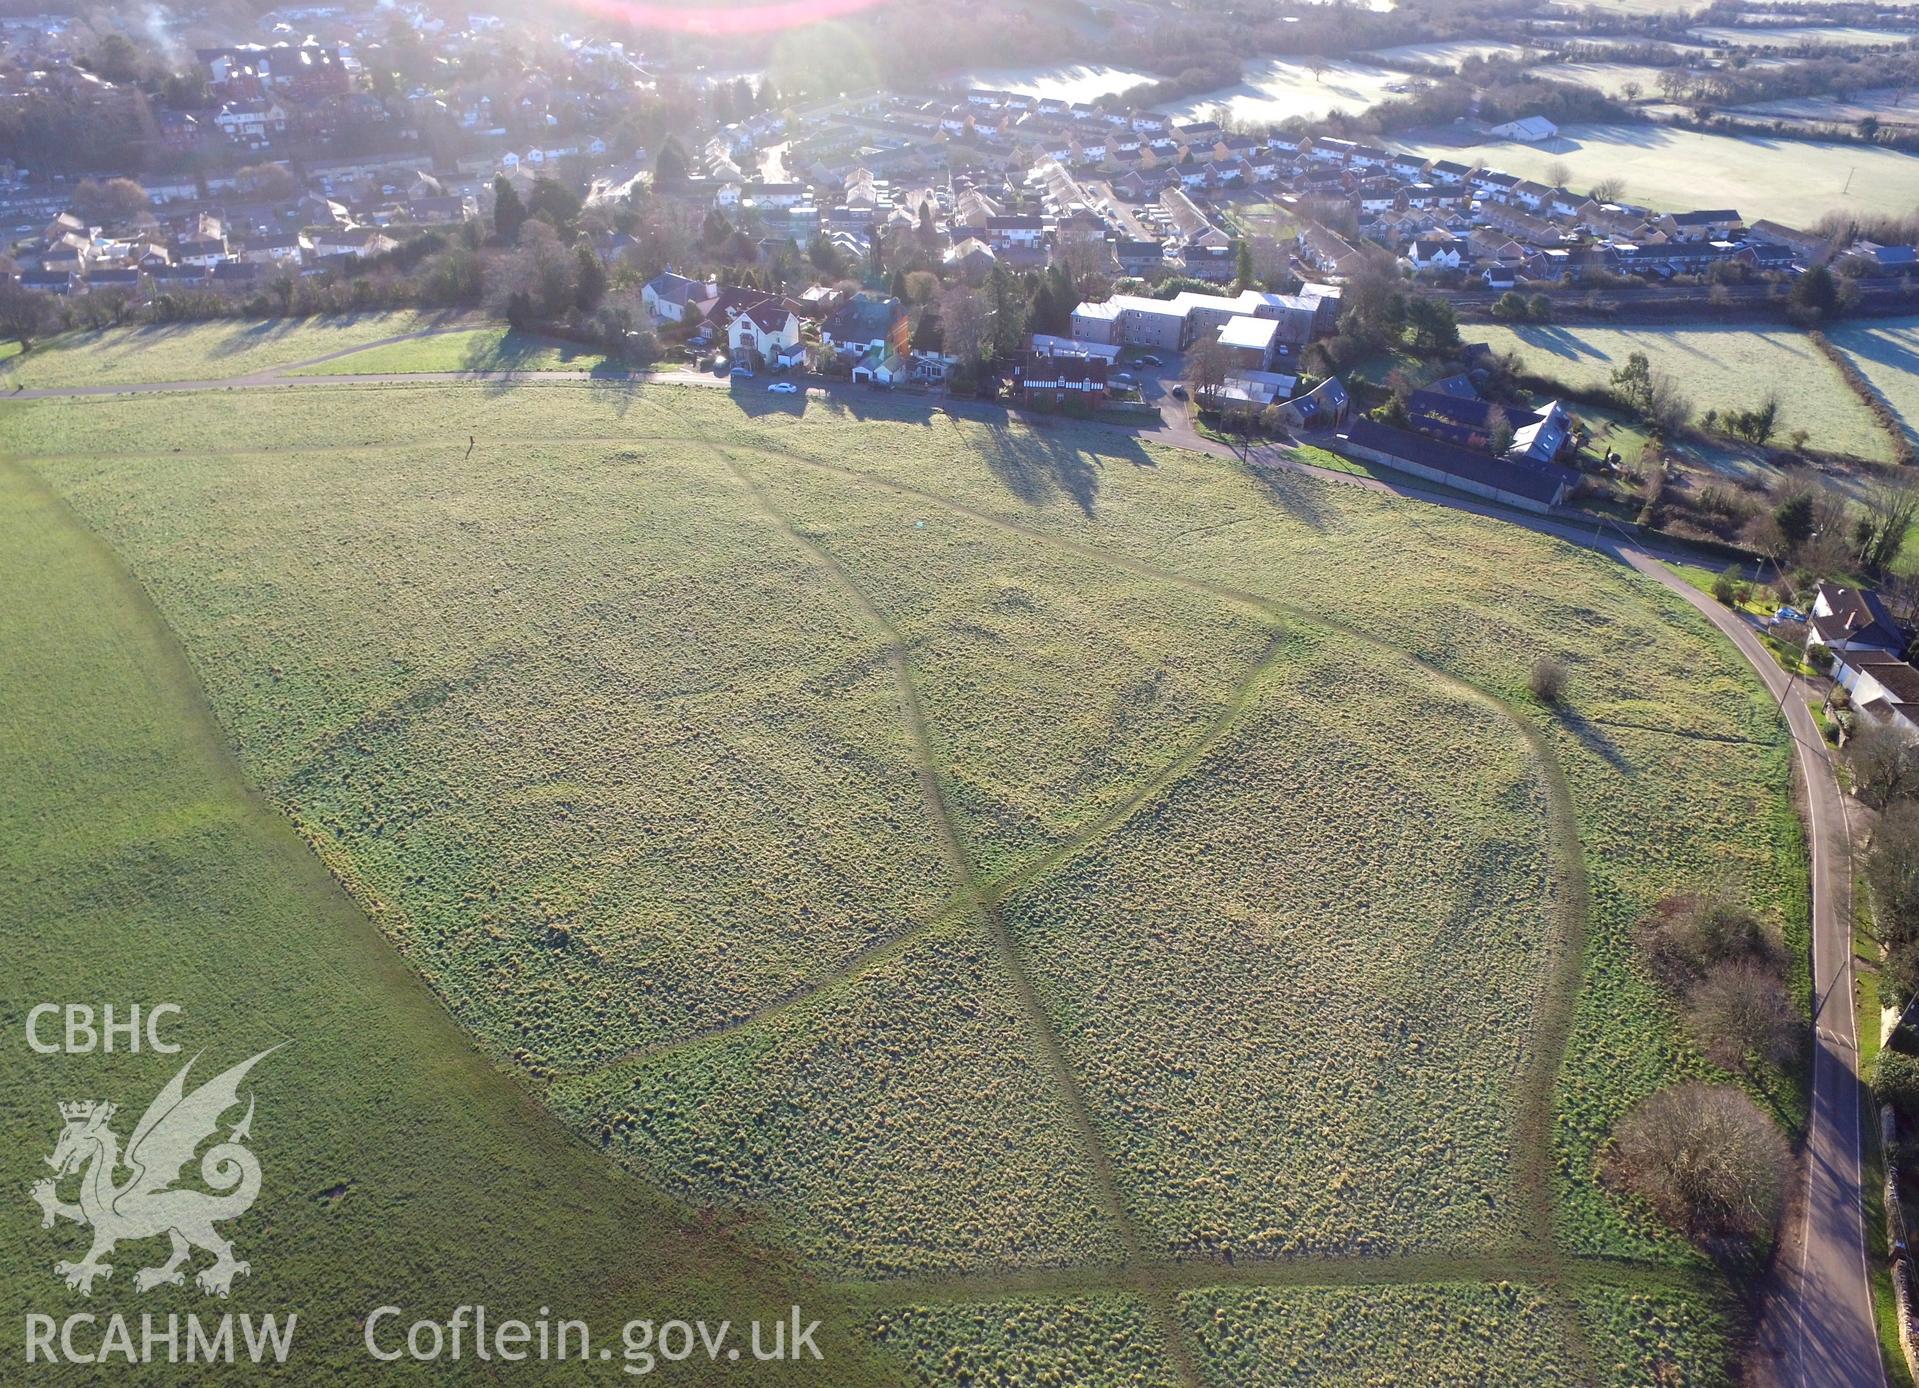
1277, 89
1793, 181
1886, 351
1894, 105
1718, 368
1610, 78
1452, 51
175, 881
1799, 35
931, 838
1076, 82
201, 351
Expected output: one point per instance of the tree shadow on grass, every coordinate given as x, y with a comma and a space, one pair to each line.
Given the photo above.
1593, 738
1298, 496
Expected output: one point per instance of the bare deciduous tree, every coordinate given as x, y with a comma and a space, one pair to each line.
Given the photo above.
1739, 1012
1706, 1158
1885, 764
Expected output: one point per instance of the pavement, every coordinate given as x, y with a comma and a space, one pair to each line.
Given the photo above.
1816, 1325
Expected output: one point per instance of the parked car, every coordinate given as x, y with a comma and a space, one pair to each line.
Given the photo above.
782, 388
1149, 360
740, 368
1124, 378
1179, 392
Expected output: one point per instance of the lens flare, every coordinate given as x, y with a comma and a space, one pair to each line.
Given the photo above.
698, 18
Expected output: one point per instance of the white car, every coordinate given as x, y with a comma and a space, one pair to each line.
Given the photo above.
782, 388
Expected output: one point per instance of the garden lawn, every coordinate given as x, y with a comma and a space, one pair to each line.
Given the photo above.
1720, 368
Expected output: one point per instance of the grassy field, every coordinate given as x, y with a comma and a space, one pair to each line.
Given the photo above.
1799, 35
1276, 89
476, 349
1610, 78
1793, 181
983, 854
1886, 351
203, 351
1717, 368
137, 865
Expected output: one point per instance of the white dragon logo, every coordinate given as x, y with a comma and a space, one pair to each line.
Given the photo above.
146, 1205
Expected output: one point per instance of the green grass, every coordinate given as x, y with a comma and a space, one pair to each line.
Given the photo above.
1492, 1334
398, 1165
1088, 1339
907, 832
1718, 368
200, 351
1886, 351
476, 349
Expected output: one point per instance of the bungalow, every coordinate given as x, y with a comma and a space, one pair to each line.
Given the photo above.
1530, 486
1851, 619
1881, 685
357, 243
1323, 407
1057, 379
672, 298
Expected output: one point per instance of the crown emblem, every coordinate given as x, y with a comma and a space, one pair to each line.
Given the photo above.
84, 1109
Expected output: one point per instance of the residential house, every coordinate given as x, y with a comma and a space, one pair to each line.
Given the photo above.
1882, 685
768, 331
1436, 253
1059, 380
1530, 486
672, 298
1325, 406
1850, 619
1719, 224
866, 323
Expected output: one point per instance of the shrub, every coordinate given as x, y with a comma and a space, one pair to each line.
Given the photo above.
1725, 588
1689, 933
1895, 1081
1547, 680
1739, 1010
1707, 1160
